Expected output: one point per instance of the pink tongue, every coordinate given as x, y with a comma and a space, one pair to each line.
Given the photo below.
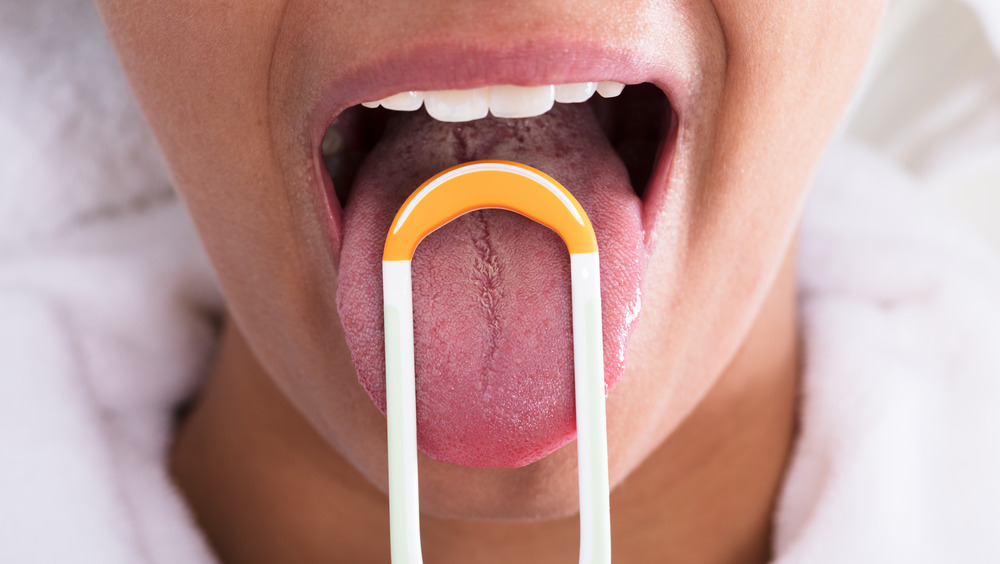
491, 291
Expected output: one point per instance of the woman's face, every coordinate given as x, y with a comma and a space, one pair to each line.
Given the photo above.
693, 185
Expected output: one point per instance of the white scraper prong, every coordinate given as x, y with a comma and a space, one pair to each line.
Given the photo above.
532, 193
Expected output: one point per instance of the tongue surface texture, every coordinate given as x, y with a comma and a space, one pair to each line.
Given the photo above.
491, 290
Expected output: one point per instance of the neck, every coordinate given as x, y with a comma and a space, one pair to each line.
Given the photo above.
266, 488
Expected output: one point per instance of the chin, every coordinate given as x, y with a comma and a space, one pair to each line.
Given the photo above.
543, 490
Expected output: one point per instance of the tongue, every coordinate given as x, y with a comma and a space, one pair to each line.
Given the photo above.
491, 293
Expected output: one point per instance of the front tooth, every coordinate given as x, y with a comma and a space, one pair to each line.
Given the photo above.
575, 92
609, 88
510, 101
404, 101
458, 105
370, 104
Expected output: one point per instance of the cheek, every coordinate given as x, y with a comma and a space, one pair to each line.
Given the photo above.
796, 59
202, 73
199, 69
789, 69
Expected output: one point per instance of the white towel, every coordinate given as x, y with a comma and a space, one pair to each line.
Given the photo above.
103, 333
107, 304
108, 310
930, 101
899, 448
989, 14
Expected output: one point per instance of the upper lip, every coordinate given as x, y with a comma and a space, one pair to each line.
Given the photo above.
443, 67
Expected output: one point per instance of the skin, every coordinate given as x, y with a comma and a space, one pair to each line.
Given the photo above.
283, 458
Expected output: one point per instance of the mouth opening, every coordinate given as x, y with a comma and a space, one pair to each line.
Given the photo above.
637, 123
494, 367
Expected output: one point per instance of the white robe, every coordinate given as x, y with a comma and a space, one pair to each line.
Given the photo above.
108, 309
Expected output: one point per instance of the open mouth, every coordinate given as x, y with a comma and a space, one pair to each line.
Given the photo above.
636, 121
492, 300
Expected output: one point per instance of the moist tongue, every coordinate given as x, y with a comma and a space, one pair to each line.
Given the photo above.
491, 291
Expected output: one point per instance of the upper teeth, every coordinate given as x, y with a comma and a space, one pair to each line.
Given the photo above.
505, 101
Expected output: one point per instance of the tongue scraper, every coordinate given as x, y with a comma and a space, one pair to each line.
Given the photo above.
532, 193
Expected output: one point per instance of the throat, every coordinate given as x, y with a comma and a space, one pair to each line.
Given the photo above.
262, 484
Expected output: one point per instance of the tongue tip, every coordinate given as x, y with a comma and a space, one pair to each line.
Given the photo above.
523, 455
478, 442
